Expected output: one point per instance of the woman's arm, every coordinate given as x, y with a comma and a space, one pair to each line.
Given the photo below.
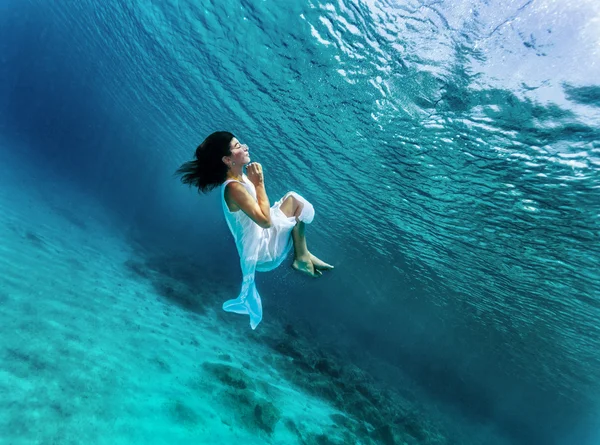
259, 212
255, 175
263, 203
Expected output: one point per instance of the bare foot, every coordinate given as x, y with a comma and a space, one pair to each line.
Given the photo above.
306, 267
318, 264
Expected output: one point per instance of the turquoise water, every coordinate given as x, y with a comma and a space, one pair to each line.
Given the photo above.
451, 150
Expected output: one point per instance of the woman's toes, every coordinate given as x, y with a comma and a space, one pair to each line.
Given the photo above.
318, 264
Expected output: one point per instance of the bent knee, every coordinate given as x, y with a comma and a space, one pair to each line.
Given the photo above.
291, 195
303, 210
292, 202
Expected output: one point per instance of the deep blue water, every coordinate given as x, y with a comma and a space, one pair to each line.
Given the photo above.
452, 151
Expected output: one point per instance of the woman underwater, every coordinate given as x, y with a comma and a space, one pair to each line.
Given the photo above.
264, 235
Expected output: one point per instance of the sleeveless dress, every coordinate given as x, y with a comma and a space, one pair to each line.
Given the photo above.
260, 249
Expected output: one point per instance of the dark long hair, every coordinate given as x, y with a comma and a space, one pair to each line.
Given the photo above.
208, 170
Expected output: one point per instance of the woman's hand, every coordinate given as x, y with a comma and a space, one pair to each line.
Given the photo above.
255, 173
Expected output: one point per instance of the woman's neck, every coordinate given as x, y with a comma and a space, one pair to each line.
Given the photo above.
236, 174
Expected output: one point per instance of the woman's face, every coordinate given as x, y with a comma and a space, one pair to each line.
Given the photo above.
239, 152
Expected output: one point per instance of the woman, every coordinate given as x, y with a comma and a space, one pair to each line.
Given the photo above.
263, 234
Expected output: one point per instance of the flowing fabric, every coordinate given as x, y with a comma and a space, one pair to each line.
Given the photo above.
260, 249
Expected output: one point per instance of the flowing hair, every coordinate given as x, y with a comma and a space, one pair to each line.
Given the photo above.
207, 171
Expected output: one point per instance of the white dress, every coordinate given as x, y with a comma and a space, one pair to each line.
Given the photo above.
260, 249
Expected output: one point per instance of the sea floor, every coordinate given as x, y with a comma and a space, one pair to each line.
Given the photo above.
102, 344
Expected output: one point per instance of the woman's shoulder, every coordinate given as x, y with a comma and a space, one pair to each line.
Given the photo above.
234, 190
233, 184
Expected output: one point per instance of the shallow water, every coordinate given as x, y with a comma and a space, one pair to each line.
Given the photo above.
451, 151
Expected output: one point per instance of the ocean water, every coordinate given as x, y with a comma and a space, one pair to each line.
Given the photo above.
451, 151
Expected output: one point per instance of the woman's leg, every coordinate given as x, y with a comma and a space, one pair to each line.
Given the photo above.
304, 261
302, 257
